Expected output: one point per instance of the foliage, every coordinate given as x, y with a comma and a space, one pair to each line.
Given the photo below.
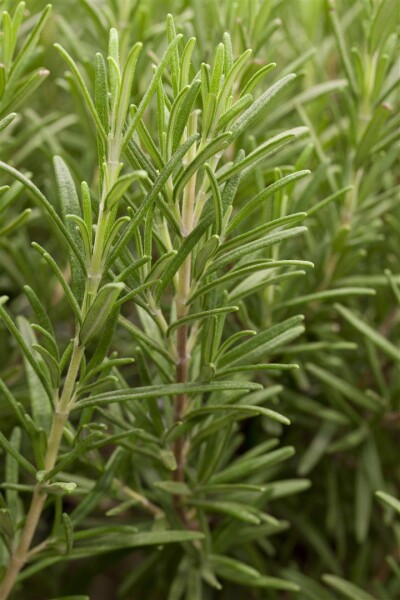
175, 213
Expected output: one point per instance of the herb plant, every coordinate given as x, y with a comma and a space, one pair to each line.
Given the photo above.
151, 365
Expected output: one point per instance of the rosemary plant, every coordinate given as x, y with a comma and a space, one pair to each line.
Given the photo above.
154, 257
158, 233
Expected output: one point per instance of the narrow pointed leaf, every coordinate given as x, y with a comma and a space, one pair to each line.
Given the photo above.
100, 310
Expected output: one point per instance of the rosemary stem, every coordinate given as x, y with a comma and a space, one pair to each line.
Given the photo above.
182, 295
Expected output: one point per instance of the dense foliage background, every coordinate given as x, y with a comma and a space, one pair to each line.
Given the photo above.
343, 402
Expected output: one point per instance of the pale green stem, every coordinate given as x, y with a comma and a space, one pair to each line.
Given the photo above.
182, 295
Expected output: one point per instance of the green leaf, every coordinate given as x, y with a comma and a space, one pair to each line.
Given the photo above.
186, 61
25, 349
100, 310
87, 209
243, 574
101, 91
69, 203
121, 186
60, 488
137, 291
6, 121
101, 487
51, 363
384, 21
174, 57
217, 69
311, 589
263, 343
17, 93
29, 44
105, 340
150, 91
372, 133
205, 84
58, 273
130, 269
156, 391
374, 336
14, 405
308, 95
257, 367
256, 78
126, 87
12, 474
227, 488
226, 563
253, 204
261, 230
228, 52
253, 267
240, 409
159, 266
6, 528
266, 582
252, 160
230, 115
16, 223
213, 147
254, 246
37, 194
200, 316
114, 74
335, 196
342, 47
348, 390
205, 254
239, 511
174, 115
286, 487
10, 449
218, 208
184, 112
246, 466
231, 75
347, 589
362, 504
146, 341
209, 113
389, 500
251, 114
317, 447
83, 90
138, 540
168, 459
68, 532
393, 284
174, 487
328, 295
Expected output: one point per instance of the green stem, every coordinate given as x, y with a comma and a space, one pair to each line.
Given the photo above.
181, 298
